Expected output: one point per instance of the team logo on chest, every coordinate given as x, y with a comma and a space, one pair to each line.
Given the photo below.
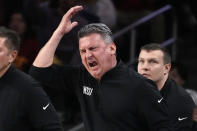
87, 90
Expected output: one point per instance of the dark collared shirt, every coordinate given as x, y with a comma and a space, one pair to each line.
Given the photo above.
180, 106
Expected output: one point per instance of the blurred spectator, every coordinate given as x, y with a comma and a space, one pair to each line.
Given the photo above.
104, 9
8, 6
29, 45
179, 74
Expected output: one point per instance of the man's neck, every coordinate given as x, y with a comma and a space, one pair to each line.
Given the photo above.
113, 64
161, 83
4, 69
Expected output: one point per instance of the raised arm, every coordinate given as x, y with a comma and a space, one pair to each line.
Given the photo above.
46, 54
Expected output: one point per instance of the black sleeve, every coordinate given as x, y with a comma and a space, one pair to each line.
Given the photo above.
153, 108
50, 76
39, 111
55, 76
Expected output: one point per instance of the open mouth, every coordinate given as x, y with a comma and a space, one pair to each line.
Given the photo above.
92, 64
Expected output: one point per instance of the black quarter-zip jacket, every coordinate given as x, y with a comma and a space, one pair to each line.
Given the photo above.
121, 101
24, 106
180, 106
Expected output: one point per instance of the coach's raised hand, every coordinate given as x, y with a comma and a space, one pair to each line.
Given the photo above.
66, 24
46, 54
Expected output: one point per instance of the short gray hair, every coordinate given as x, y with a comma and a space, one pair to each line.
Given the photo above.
99, 28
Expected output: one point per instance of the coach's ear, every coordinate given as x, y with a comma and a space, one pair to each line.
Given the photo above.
12, 56
111, 48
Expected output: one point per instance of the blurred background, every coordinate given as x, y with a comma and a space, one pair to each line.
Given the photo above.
172, 23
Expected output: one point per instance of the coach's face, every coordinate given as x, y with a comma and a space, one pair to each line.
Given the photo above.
151, 65
96, 55
6, 56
